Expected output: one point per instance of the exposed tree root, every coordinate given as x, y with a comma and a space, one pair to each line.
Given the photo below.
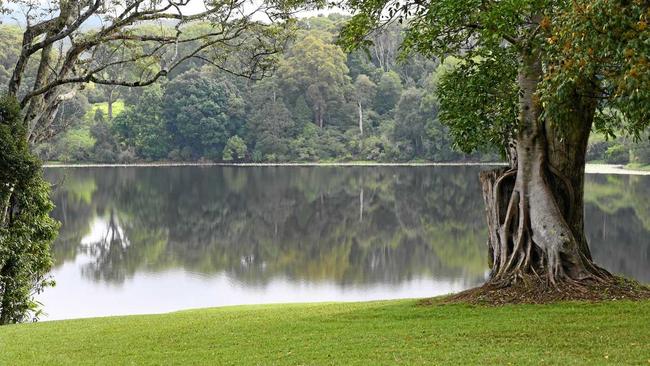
529, 235
532, 290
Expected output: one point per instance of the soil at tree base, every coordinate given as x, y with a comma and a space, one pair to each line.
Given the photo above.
534, 291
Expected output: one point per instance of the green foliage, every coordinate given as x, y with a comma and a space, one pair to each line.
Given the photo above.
10, 41
596, 150
358, 65
142, 126
202, 112
106, 148
316, 69
617, 154
365, 90
389, 90
235, 149
479, 101
410, 124
26, 230
301, 111
608, 39
75, 145
201, 108
118, 108
597, 48
640, 153
271, 126
468, 100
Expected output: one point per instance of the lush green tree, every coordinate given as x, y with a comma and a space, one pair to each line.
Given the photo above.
202, 112
25, 234
389, 90
316, 69
142, 125
300, 111
305, 146
359, 63
532, 79
438, 142
106, 147
235, 149
71, 114
640, 153
68, 137
415, 69
271, 126
364, 93
9, 50
410, 124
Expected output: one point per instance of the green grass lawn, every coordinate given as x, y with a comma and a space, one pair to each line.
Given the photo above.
637, 166
118, 107
372, 333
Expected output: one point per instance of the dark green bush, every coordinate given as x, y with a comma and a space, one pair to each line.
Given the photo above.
617, 154
641, 152
26, 229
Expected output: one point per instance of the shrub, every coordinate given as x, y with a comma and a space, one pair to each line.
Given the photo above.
617, 154
235, 149
640, 152
597, 150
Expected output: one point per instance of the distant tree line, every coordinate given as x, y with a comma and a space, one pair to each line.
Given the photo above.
320, 105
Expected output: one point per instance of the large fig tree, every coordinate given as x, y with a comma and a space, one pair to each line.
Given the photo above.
532, 78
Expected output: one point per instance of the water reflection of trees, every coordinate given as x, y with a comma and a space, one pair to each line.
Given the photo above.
348, 225
618, 210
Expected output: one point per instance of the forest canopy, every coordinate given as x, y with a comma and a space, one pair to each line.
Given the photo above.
321, 104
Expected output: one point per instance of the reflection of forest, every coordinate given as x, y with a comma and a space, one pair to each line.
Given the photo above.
348, 225
618, 214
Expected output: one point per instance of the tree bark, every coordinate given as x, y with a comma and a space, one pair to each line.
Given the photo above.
534, 209
319, 116
360, 118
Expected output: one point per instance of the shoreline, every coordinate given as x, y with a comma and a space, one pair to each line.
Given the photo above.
306, 164
589, 169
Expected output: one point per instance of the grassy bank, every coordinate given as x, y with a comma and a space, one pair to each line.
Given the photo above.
637, 166
387, 332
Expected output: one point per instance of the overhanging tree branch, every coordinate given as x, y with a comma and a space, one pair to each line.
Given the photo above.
149, 37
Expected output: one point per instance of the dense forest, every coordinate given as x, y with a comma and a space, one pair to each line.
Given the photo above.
321, 104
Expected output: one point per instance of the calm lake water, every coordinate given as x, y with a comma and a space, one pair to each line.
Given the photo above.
148, 240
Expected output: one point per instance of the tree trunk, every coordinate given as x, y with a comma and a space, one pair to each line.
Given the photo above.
360, 118
320, 117
534, 209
